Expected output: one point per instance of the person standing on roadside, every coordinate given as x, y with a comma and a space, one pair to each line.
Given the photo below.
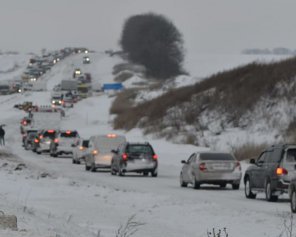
2, 134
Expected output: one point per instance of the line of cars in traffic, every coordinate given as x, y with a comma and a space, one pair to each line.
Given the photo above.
273, 172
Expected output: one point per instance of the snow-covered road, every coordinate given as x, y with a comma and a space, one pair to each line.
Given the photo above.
73, 202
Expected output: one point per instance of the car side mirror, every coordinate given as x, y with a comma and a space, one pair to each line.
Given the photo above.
252, 161
183, 162
114, 151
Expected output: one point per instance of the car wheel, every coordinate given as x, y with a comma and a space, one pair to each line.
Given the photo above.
235, 186
78, 162
223, 185
145, 173
293, 201
87, 167
93, 168
196, 184
268, 193
182, 183
248, 189
121, 172
38, 152
73, 161
113, 172
54, 155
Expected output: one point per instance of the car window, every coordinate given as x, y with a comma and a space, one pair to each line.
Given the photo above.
139, 149
276, 155
69, 134
261, 159
268, 157
216, 156
191, 158
291, 156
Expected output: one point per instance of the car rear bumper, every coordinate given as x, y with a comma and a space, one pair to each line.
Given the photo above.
64, 150
208, 177
140, 166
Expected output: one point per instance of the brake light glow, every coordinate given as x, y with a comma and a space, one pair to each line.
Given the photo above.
56, 140
40, 136
50, 131
95, 152
155, 157
24, 122
68, 132
112, 135
202, 167
281, 171
81, 148
124, 156
36, 140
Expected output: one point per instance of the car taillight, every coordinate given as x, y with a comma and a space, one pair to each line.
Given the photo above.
81, 148
56, 140
124, 156
237, 165
154, 157
94, 152
40, 137
281, 171
24, 122
36, 140
202, 167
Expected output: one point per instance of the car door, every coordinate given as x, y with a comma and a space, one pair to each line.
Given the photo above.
186, 169
88, 155
259, 172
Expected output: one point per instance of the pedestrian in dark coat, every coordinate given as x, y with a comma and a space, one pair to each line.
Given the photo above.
2, 134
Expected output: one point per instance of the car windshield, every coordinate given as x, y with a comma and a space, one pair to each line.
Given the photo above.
49, 134
216, 156
142, 149
105, 144
70, 134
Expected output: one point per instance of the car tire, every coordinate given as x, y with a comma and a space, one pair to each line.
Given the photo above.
87, 167
93, 168
54, 155
196, 184
223, 185
121, 172
182, 183
113, 172
235, 186
293, 201
248, 189
38, 152
78, 162
268, 193
145, 173
74, 161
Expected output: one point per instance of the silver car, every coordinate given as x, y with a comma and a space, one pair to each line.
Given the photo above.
99, 152
211, 168
80, 151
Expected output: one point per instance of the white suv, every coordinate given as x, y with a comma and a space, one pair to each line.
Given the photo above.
64, 143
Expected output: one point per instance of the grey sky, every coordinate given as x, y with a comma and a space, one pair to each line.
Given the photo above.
208, 26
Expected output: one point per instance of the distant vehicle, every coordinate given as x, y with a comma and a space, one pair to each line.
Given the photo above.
25, 123
64, 143
43, 140
5, 90
68, 100
84, 90
56, 100
271, 172
99, 152
77, 72
134, 157
292, 194
80, 151
68, 85
28, 139
86, 60
211, 168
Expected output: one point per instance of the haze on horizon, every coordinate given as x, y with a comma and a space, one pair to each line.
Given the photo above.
208, 26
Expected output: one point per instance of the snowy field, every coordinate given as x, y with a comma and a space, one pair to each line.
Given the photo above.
52, 197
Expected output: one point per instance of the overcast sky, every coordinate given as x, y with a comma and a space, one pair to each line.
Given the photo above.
208, 26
